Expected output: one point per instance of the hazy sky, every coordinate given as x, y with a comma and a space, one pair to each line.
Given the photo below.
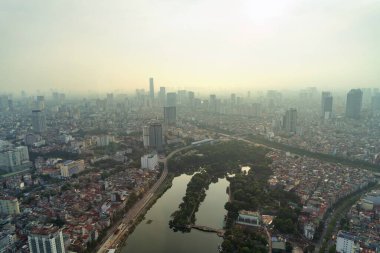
218, 44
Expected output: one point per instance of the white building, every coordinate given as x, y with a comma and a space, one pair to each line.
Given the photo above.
46, 240
104, 140
9, 205
345, 243
149, 161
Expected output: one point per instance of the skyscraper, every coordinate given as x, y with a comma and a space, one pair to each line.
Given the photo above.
10, 105
170, 115
191, 98
146, 136
151, 89
40, 103
326, 103
171, 99
38, 121
182, 97
109, 101
233, 99
290, 121
155, 135
162, 96
46, 240
354, 103
170, 110
376, 104
212, 103
3, 103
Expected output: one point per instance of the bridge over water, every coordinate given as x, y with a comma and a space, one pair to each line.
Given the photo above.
219, 232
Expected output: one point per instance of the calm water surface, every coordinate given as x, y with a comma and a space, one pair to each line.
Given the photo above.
159, 238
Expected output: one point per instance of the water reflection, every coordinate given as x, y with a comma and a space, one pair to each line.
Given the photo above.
156, 236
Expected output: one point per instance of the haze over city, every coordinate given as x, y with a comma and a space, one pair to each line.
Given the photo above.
183, 126
204, 45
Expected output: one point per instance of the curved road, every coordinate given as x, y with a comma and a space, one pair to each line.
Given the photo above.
111, 239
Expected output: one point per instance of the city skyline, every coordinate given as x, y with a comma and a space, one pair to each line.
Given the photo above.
209, 45
196, 126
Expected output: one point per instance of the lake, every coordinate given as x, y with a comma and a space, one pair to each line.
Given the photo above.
156, 236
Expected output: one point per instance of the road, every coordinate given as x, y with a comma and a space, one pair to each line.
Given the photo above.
245, 140
111, 239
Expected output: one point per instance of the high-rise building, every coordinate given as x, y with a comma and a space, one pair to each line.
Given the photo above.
171, 99
162, 96
354, 103
40, 103
376, 104
155, 136
3, 103
109, 101
233, 99
256, 109
9, 205
191, 98
47, 239
290, 121
14, 159
146, 136
10, 104
149, 161
170, 110
326, 103
170, 115
151, 89
152, 136
182, 97
104, 140
38, 121
212, 103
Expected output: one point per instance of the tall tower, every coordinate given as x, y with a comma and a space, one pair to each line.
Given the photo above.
38, 121
40, 103
171, 99
233, 100
191, 98
354, 103
151, 89
146, 136
290, 121
212, 103
162, 96
326, 104
375, 104
155, 136
170, 115
3, 103
170, 109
